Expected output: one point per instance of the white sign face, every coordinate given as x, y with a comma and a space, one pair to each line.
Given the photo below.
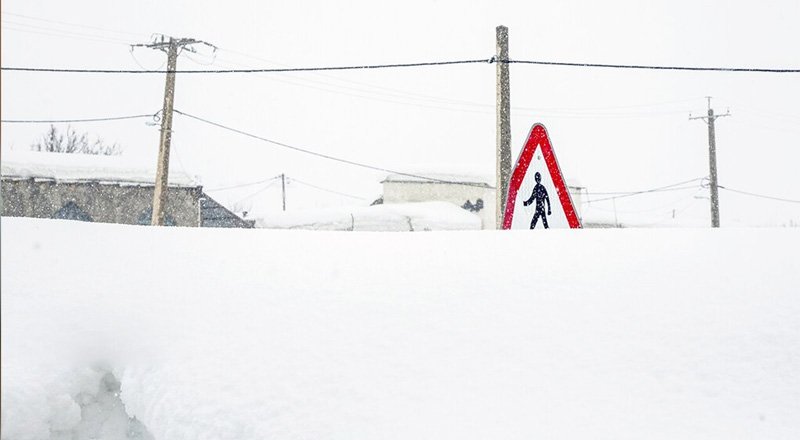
537, 193
543, 210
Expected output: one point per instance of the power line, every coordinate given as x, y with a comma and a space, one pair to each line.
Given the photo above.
646, 67
407, 95
590, 109
418, 64
64, 32
64, 23
607, 193
271, 70
51, 34
674, 213
259, 191
329, 157
659, 207
455, 106
242, 185
671, 187
758, 195
292, 179
362, 93
388, 91
59, 121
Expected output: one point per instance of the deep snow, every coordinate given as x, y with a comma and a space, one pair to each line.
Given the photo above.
255, 334
394, 217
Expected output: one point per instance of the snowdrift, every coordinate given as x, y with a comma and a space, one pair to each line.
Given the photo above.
394, 217
174, 333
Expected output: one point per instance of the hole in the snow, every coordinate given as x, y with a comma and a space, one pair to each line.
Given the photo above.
102, 412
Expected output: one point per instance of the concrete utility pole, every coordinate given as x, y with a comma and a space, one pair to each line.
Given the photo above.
171, 46
503, 159
712, 161
283, 190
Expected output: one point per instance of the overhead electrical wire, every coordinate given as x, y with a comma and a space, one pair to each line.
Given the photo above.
456, 106
64, 32
364, 94
393, 92
407, 65
327, 156
674, 213
780, 199
257, 192
53, 34
270, 70
439, 100
670, 187
292, 179
650, 67
65, 23
659, 207
362, 86
60, 121
242, 185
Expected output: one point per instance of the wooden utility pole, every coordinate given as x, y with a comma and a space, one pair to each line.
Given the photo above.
171, 46
712, 161
283, 190
503, 158
162, 168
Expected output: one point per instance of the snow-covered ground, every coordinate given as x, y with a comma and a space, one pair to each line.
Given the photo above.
424, 216
264, 334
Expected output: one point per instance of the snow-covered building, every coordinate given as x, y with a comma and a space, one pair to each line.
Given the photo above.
473, 192
102, 189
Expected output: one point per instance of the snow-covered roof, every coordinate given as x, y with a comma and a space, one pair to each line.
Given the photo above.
452, 172
63, 167
440, 178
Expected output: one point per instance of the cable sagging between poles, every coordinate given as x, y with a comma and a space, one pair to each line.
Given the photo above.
61, 121
269, 70
409, 65
646, 67
327, 156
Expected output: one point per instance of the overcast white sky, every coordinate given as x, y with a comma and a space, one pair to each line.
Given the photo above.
612, 130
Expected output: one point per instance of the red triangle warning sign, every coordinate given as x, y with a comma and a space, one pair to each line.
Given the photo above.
537, 194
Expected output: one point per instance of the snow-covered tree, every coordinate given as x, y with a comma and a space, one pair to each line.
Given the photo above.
71, 142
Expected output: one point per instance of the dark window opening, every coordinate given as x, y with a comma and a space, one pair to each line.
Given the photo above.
71, 211
146, 217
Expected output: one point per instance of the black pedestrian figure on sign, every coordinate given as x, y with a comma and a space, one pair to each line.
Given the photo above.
540, 195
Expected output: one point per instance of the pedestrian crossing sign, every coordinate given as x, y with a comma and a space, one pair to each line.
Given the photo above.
538, 197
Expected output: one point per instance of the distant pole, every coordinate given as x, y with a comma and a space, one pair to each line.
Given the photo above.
712, 168
283, 190
162, 169
503, 158
712, 161
171, 47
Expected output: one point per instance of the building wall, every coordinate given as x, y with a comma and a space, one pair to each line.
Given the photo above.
214, 215
107, 203
402, 192
410, 192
